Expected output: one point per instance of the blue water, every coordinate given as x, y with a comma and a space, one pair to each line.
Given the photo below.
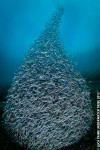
21, 22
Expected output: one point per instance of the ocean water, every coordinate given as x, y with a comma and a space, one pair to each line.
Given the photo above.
22, 21
21, 24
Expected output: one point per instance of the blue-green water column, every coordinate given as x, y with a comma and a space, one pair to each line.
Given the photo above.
48, 105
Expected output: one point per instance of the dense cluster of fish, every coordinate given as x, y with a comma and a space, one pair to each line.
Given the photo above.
48, 105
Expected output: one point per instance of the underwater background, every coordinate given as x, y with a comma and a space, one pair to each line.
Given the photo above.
21, 23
